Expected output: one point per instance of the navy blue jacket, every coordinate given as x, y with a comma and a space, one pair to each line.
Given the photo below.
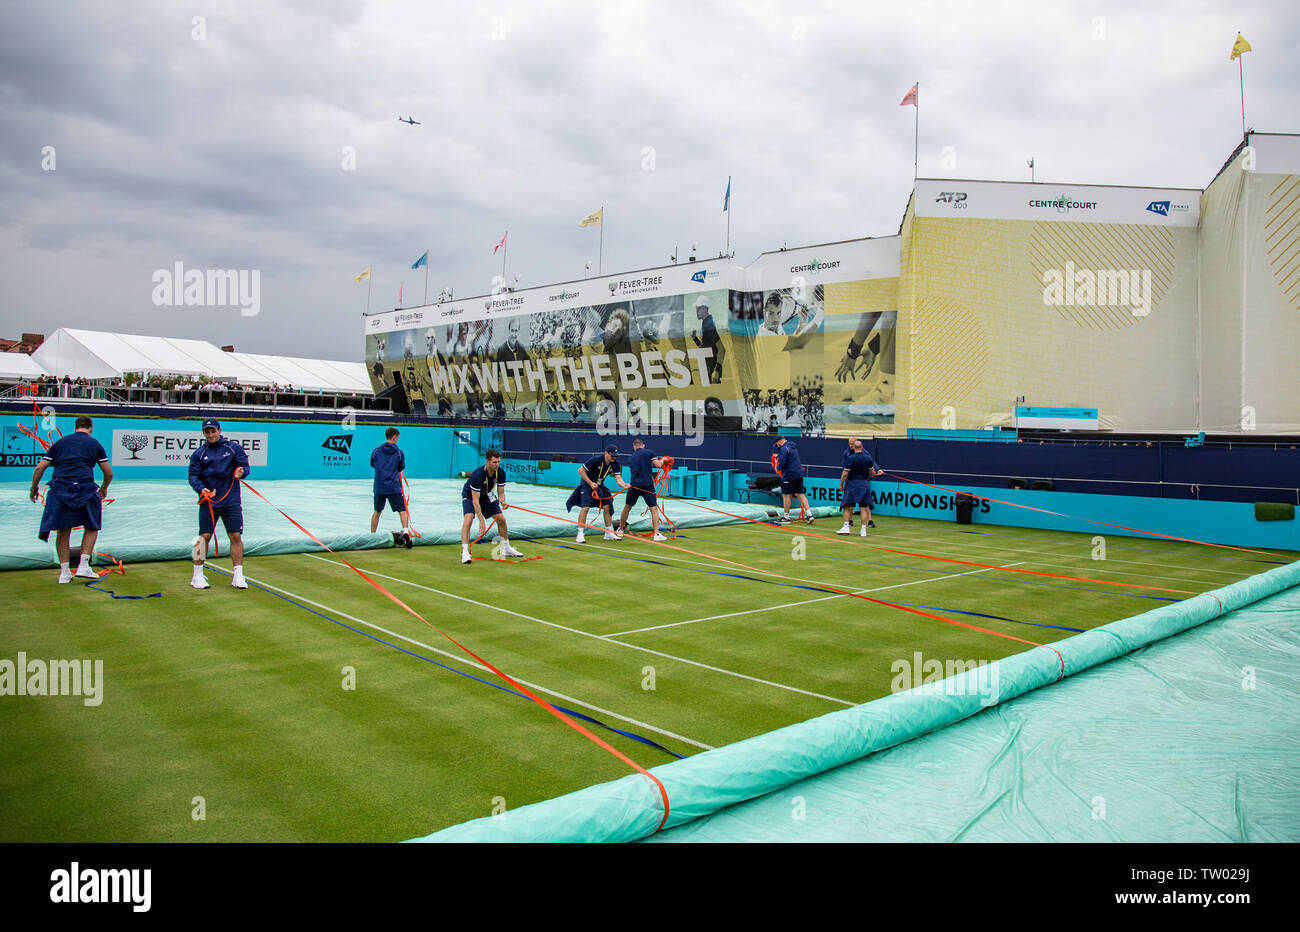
787, 461
387, 461
212, 466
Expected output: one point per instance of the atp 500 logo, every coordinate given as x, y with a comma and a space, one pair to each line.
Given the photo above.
956, 198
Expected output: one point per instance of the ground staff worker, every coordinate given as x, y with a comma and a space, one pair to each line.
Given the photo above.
855, 486
71, 498
215, 470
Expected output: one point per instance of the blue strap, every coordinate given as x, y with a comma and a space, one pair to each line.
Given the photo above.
152, 595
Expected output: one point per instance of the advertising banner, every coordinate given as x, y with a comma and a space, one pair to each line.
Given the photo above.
663, 350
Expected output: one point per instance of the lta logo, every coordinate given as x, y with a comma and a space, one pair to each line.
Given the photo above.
340, 443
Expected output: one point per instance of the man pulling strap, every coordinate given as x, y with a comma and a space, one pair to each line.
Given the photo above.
791, 470
855, 484
388, 462
643, 486
215, 470
592, 491
72, 500
479, 498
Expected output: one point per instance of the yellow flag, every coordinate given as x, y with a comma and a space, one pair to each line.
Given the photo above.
365, 274
1241, 45
592, 219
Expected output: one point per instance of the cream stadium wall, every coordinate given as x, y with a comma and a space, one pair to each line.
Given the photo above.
1250, 289
985, 327
1222, 389
1271, 296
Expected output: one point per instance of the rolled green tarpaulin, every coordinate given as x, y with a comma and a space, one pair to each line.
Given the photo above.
1274, 511
630, 808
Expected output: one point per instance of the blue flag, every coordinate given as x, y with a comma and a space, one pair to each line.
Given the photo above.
726, 200
423, 260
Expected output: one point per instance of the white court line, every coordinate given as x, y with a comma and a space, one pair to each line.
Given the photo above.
471, 663
1085, 560
910, 541
598, 637
838, 595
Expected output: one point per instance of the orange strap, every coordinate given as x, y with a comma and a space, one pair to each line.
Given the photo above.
1186, 540
663, 792
406, 501
206, 496
828, 588
926, 556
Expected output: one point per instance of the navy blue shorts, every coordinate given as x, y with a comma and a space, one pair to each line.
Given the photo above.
489, 508
393, 499
857, 492
232, 516
586, 498
792, 486
71, 505
634, 494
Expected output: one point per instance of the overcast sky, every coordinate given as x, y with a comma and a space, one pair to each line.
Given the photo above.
223, 143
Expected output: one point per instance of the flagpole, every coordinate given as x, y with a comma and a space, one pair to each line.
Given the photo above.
600, 262
1241, 83
426, 276
369, 281
916, 129
505, 251
728, 215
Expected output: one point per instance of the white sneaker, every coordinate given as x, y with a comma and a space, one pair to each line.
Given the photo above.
659, 537
85, 572
845, 530
200, 582
863, 532
511, 552
580, 539
65, 576
785, 517
810, 519
465, 557
609, 535
238, 581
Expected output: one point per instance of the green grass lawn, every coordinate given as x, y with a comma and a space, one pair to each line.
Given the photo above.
237, 696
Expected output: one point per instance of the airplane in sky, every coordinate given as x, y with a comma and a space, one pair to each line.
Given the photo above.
411, 120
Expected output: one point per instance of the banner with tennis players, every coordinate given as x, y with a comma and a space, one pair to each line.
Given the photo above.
791, 345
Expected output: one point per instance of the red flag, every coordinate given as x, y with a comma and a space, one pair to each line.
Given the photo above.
501, 243
399, 293
911, 97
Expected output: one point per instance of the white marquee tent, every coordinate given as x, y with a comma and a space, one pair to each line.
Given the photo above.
19, 366
96, 355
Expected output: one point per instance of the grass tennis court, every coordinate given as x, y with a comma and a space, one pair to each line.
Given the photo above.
239, 698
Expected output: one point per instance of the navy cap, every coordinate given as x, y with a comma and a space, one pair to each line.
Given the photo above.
611, 450
212, 422
777, 442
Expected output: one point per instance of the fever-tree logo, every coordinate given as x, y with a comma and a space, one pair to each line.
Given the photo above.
135, 443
